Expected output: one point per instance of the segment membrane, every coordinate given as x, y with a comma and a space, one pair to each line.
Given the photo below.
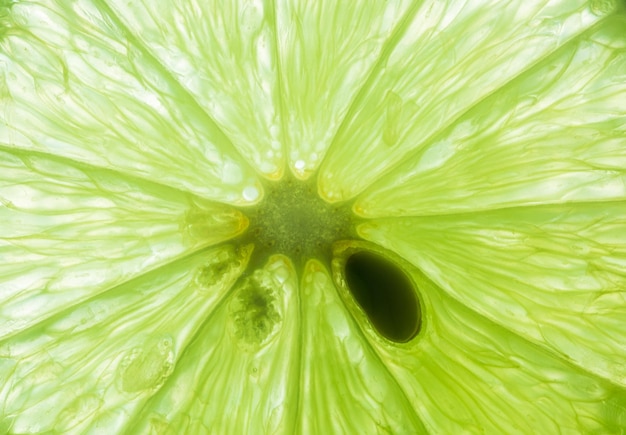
69, 233
73, 83
556, 134
452, 55
66, 375
552, 274
223, 55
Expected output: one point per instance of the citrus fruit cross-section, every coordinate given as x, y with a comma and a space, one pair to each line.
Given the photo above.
312, 217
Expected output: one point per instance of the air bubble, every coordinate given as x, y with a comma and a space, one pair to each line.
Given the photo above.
250, 193
254, 371
299, 165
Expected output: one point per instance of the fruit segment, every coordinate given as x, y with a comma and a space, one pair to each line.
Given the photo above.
65, 375
451, 56
469, 375
73, 83
344, 386
71, 232
327, 51
555, 134
223, 54
551, 274
239, 374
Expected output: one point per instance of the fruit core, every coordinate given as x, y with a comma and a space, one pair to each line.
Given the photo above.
293, 220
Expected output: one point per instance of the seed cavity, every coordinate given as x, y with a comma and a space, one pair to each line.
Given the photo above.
222, 267
145, 368
255, 311
385, 293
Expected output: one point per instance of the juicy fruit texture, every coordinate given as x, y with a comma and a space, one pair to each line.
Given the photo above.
181, 184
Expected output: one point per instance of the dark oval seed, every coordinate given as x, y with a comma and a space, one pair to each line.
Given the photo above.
386, 294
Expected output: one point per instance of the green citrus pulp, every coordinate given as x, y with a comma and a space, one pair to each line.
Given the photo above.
202, 205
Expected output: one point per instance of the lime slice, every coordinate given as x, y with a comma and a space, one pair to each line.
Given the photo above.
199, 202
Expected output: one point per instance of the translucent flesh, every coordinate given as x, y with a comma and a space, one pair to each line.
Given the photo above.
71, 232
553, 275
552, 135
430, 75
491, 162
224, 56
76, 85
